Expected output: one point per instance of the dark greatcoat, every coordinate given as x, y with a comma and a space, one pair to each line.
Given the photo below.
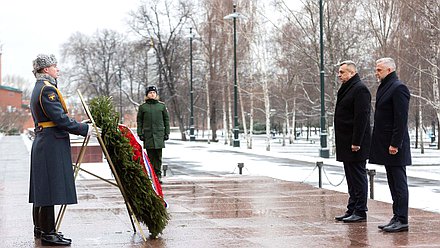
51, 180
153, 122
352, 120
391, 123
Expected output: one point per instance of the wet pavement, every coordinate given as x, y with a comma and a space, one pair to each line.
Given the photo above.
208, 209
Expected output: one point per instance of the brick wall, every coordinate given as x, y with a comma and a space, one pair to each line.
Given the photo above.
93, 153
10, 97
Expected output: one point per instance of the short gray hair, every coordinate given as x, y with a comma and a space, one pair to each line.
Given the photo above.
388, 62
351, 64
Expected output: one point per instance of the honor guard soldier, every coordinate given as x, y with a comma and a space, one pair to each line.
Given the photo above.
51, 177
153, 127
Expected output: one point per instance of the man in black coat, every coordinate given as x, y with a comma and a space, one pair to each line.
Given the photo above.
51, 181
352, 132
390, 144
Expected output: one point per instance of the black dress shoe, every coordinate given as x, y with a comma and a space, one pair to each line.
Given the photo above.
397, 226
394, 219
53, 239
339, 218
354, 218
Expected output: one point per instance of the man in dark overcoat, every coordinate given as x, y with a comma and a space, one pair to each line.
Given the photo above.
352, 133
153, 127
390, 144
51, 177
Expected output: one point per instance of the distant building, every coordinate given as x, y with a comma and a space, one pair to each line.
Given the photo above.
10, 99
15, 115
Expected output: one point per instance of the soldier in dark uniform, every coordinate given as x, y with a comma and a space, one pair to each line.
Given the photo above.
51, 177
153, 127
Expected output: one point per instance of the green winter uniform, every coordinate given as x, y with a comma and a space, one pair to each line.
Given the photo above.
153, 127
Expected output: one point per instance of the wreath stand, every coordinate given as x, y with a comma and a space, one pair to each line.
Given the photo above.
118, 183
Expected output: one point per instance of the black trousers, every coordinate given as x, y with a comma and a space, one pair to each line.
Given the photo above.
398, 184
356, 174
155, 156
44, 218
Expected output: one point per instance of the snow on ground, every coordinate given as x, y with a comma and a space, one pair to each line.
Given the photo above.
218, 157
425, 197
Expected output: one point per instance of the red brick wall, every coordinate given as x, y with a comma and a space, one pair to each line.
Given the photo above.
93, 153
10, 98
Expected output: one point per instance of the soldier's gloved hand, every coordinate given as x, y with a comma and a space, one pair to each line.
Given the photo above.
87, 121
166, 137
93, 132
89, 130
141, 137
96, 132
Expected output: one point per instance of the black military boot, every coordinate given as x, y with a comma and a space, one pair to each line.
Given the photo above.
53, 239
37, 226
35, 217
48, 234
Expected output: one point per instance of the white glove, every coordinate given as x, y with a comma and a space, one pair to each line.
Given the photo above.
96, 132
90, 130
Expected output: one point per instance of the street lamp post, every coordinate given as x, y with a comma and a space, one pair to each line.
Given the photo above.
120, 95
323, 151
234, 16
192, 137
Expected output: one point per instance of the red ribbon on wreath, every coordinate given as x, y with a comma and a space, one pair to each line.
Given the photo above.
140, 154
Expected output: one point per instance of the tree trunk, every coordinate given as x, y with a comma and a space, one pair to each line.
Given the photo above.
267, 111
422, 147
208, 110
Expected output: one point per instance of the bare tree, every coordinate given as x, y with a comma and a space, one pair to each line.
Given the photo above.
263, 69
383, 19
276, 56
12, 122
162, 21
419, 52
93, 62
298, 41
213, 30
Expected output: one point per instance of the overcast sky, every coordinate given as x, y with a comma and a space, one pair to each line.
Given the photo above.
30, 27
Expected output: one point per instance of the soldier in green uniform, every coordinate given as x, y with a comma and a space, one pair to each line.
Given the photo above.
153, 127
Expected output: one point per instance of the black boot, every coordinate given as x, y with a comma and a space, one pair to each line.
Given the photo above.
48, 234
38, 233
53, 239
37, 226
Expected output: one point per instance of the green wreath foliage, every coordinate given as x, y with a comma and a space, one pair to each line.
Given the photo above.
147, 206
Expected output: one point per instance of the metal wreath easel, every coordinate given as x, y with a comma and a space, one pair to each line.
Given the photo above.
112, 167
